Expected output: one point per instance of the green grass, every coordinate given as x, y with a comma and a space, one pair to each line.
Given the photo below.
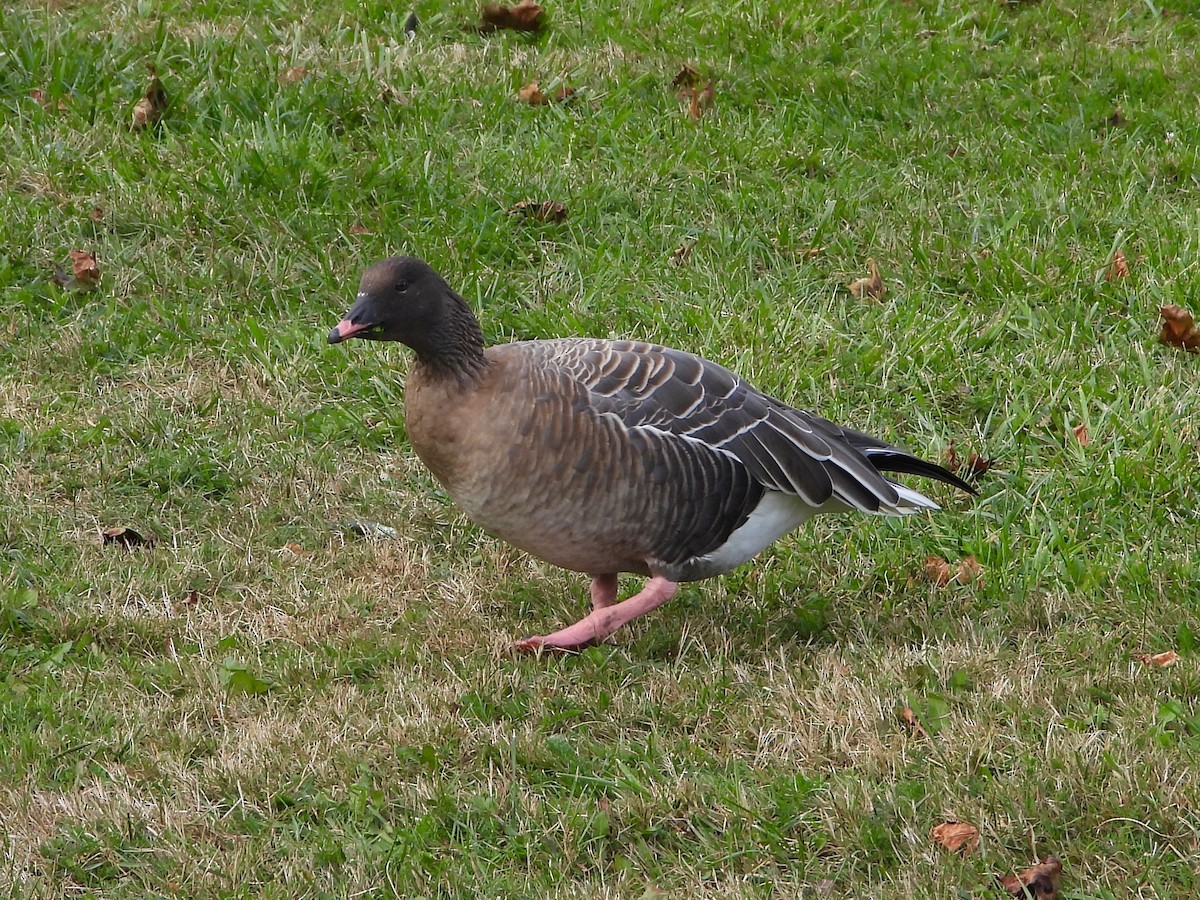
344, 721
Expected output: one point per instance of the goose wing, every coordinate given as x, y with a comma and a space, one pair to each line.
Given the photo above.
647, 386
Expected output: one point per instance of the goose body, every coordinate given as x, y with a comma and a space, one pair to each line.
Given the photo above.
606, 457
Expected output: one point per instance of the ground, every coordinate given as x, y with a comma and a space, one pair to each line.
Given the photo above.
264, 703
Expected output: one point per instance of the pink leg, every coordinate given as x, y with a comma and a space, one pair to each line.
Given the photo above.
604, 591
603, 620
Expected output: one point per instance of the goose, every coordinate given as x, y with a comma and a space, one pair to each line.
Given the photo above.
615, 456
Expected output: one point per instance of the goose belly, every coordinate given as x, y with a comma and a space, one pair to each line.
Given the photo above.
776, 514
580, 537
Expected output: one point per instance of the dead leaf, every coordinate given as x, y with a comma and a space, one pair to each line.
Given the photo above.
686, 77
969, 570
1118, 268
84, 274
871, 286
938, 571
293, 75
1162, 660
97, 213
85, 268
1179, 328
909, 718
525, 16
950, 458
682, 254
45, 102
1081, 434
957, 837
1117, 119
191, 598
941, 572
544, 211
700, 101
125, 537
985, 253
976, 466
532, 94
809, 252
150, 108
358, 228
1038, 881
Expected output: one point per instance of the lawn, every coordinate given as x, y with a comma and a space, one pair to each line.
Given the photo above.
262, 702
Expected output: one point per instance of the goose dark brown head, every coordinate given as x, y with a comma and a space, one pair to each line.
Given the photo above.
403, 299
399, 299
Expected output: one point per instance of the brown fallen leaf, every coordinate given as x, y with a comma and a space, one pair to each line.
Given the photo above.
1081, 434
909, 718
1162, 660
957, 837
293, 75
125, 537
45, 101
1039, 881
938, 571
1118, 268
682, 254
969, 570
358, 228
976, 466
84, 274
1117, 119
950, 458
686, 77
97, 213
84, 268
150, 108
700, 101
870, 286
941, 572
1179, 328
544, 211
809, 252
525, 16
532, 94
191, 598
985, 253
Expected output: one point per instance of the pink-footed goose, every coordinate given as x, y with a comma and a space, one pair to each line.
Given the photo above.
615, 456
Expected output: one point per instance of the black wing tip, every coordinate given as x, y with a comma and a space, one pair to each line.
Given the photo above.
899, 461
948, 477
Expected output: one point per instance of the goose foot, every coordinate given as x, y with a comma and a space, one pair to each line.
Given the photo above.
605, 618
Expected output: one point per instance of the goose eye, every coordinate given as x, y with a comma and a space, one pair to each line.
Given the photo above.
401, 286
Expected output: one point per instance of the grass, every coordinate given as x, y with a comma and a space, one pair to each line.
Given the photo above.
220, 716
